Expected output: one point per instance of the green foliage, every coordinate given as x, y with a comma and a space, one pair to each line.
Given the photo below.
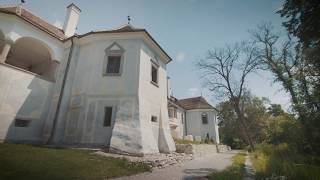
283, 160
235, 172
302, 19
183, 141
256, 115
29, 162
275, 110
284, 129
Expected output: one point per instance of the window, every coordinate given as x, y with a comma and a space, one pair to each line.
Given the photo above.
154, 74
21, 123
170, 111
107, 116
154, 119
204, 118
182, 118
113, 61
113, 66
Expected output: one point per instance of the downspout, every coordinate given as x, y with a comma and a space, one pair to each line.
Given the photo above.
52, 133
185, 122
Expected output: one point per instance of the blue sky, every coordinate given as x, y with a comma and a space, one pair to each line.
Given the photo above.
186, 29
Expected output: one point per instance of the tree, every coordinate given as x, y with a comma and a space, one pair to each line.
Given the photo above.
275, 110
225, 71
302, 20
256, 117
284, 58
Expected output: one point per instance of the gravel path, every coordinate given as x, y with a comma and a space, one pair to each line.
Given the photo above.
194, 169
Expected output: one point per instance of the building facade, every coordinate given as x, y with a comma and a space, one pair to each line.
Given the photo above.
195, 117
100, 89
103, 88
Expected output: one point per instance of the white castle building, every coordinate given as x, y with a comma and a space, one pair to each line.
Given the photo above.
102, 88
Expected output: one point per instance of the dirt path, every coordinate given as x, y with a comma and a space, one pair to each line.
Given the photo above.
194, 169
249, 170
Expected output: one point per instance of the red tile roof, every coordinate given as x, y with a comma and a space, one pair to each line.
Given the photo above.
35, 20
59, 34
194, 103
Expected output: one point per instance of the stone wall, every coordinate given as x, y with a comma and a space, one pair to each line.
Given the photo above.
199, 150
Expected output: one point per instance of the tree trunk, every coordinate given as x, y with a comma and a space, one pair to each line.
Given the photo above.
244, 126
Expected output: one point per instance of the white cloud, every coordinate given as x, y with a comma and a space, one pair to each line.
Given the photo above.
181, 56
193, 91
58, 23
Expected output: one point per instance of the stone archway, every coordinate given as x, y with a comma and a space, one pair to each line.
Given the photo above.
34, 56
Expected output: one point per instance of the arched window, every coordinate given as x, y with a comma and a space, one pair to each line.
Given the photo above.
204, 118
113, 60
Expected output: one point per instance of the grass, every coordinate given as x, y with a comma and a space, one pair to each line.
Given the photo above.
280, 160
235, 172
30, 162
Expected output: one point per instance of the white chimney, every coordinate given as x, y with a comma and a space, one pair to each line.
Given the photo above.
71, 20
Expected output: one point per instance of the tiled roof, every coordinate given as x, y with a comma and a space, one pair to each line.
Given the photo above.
194, 103
59, 34
35, 20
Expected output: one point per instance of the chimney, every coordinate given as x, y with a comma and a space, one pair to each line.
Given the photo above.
71, 20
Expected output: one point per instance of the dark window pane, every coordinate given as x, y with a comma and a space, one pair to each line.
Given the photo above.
153, 119
107, 116
113, 65
21, 123
204, 118
154, 74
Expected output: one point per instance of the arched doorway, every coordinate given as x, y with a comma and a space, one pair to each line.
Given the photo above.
33, 56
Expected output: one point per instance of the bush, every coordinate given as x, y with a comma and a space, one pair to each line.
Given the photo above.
283, 160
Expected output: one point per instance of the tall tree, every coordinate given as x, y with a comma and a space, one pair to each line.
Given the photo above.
225, 71
283, 57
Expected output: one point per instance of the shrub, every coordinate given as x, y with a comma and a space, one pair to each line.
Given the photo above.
283, 160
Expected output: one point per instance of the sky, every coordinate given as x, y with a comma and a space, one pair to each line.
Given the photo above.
185, 29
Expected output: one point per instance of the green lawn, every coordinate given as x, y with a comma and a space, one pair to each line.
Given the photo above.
30, 162
235, 172
279, 160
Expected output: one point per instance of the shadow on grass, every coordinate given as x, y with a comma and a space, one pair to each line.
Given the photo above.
30, 162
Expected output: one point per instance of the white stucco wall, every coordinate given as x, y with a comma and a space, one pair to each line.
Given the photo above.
179, 131
153, 101
14, 28
195, 126
87, 91
22, 95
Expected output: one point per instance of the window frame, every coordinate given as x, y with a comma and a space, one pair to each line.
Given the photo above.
104, 116
109, 53
156, 67
204, 114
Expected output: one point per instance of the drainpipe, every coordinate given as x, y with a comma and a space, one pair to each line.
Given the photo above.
51, 137
185, 121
